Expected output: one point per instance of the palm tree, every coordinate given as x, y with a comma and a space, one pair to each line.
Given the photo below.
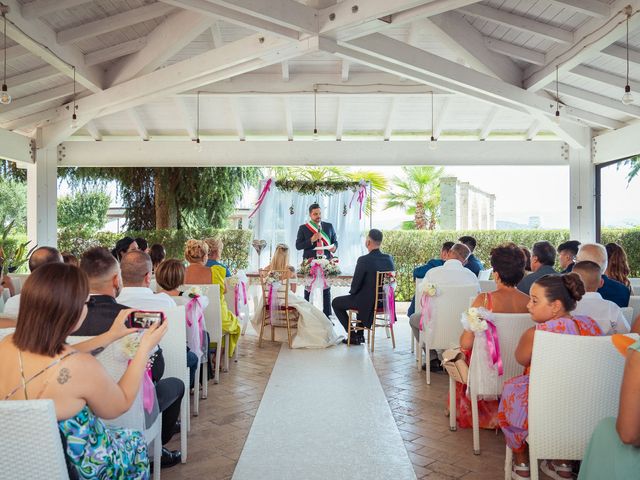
418, 191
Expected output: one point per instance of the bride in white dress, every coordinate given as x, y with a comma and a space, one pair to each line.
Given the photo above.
314, 330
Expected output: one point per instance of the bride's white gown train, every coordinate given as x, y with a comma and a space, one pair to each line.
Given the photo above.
314, 330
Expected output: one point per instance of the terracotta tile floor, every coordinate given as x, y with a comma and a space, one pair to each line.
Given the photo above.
218, 434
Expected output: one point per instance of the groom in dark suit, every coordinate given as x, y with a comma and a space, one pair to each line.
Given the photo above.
316, 233
363, 286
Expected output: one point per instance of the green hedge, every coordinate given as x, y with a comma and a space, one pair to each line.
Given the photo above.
235, 253
416, 247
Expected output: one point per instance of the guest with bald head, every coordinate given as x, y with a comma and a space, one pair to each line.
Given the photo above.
40, 256
610, 290
136, 269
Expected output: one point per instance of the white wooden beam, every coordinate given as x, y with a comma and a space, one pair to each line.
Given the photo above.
285, 70
515, 51
620, 52
139, 124
344, 75
204, 7
592, 8
166, 40
488, 123
468, 43
115, 22
440, 117
42, 8
518, 22
592, 37
596, 99
16, 51
273, 153
216, 35
288, 120
15, 147
617, 145
40, 40
388, 126
187, 118
533, 130
37, 75
93, 131
340, 118
237, 119
605, 78
116, 51
38, 99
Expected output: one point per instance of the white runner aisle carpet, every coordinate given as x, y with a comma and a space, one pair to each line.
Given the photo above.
324, 416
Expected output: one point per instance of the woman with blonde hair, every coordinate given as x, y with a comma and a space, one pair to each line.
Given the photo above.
314, 330
196, 252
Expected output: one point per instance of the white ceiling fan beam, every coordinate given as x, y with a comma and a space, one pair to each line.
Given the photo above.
515, 51
93, 131
143, 133
186, 117
116, 51
488, 123
388, 126
285, 70
237, 119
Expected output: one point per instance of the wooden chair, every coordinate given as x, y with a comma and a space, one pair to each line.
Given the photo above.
285, 316
379, 318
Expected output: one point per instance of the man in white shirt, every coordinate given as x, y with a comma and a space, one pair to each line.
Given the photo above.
39, 257
452, 272
606, 313
136, 277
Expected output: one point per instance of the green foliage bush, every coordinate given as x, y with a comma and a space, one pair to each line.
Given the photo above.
83, 210
235, 253
416, 247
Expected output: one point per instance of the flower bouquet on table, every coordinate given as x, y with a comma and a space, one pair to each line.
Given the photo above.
330, 267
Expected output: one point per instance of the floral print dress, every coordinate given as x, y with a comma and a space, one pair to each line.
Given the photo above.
513, 414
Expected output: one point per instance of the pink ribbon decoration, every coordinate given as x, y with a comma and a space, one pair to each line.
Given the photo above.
390, 304
236, 300
493, 346
317, 273
273, 301
263, 195
148, 391
361, 194
425, 303
195, 326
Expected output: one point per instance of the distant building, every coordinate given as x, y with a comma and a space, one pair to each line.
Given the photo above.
465, 207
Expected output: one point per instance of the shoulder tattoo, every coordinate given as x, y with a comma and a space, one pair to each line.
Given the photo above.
64, 376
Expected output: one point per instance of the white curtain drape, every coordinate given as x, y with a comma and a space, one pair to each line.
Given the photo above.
275, 224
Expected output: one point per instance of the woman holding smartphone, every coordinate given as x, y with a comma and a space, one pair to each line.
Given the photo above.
36, 363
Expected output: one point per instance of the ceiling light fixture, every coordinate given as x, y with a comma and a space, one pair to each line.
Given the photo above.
197, 141
433, 142
315, 112
557, 116
627, 98
5, 97
74, 116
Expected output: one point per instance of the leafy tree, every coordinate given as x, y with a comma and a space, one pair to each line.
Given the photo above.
85, 211
418, 191
634, 162
13, 203
171, 197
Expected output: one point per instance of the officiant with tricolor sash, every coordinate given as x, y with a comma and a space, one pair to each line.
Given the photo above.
317, 238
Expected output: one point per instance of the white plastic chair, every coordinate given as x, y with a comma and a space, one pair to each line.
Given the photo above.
243, 314
628, 315
635, 285
18, 280
510, 327
634, 303
174, 350
115, 363
574, 383
487, 286
445, 327
31, 424
484, 275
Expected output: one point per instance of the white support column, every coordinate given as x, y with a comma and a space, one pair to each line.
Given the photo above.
582, 213
42, 199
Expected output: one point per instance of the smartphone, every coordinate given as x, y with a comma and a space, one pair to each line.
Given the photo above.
142, 319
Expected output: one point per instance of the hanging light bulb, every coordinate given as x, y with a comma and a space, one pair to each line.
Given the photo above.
433, 143
5, 97
74, 116
315, 113
74, 120
627, 98
198, 145
556, 118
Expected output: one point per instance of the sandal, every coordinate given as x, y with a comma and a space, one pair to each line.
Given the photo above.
519, 467
553, 470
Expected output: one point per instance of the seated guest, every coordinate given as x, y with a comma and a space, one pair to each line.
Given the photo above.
543, 257
614, 450
215, 251
7, 322
507, 262
473, 263
70, 258
40, 256
105, 283
157, 254
552, 298
143, 246
421, 271
527, 264
124, 245
363, 286
452, 272
617, 264
169, 276
611, 289
54, 300
607, 314
136, 278
196, 252
567, 252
